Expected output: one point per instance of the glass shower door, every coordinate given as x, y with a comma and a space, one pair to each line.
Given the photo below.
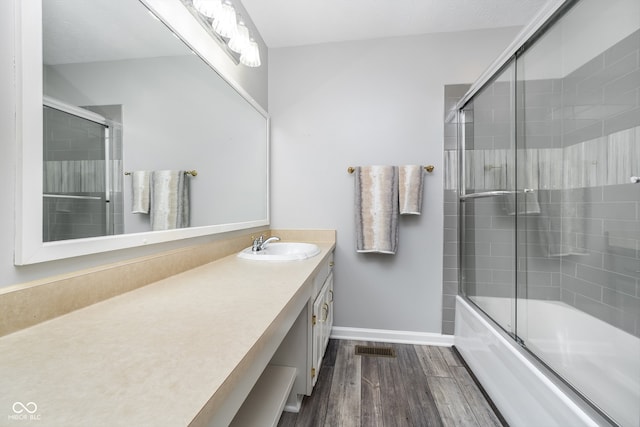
578, 135
487, 195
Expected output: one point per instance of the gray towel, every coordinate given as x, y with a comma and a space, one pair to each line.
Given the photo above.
562, 224
410, 181
140, 185
527, 203
376, 209
169, 200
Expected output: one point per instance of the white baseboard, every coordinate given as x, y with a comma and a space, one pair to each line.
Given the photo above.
398, 337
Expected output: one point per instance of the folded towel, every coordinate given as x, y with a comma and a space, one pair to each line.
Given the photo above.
140, 183
376, 209
410, 181
169, 200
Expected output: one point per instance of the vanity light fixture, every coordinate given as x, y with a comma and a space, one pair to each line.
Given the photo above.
223, 23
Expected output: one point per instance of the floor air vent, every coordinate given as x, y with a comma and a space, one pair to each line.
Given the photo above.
365, 350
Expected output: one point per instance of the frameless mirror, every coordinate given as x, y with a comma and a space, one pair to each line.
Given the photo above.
121, 93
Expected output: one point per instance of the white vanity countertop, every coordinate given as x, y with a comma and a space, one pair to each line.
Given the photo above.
155, 356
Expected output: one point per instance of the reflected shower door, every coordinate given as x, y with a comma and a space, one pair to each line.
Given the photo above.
76, 183
487, 195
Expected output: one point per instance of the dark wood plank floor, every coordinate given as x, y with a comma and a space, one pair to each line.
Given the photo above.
422, 386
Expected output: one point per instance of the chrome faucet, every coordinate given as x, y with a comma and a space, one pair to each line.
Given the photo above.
259, 244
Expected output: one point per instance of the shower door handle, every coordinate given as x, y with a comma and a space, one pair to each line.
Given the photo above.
486, 194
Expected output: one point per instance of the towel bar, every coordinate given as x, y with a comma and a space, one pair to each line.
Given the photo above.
428, 168
192, 173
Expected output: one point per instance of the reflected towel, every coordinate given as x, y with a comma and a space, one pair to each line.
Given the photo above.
376, 209
169, 200
562, 223
527, 203
140, 185
410, 181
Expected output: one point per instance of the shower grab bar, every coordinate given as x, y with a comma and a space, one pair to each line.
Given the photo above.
192, 173
486, 194
65, 196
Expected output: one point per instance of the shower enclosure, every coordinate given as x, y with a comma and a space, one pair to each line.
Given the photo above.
549, 202
82, 176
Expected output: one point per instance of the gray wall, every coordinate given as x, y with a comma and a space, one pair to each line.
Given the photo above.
10, 274
370, 102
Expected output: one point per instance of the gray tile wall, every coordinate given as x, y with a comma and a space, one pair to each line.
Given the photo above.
452, 94
591, 216
605, 281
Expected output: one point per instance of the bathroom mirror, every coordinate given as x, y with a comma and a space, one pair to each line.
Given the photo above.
112, 73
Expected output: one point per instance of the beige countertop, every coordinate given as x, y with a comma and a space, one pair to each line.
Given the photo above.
155, 356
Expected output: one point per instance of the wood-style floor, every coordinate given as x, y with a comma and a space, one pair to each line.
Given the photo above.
422, 386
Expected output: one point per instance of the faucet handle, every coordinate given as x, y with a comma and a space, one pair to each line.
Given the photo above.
257, 243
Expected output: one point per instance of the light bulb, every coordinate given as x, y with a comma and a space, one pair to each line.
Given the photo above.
208, 8
241, 40
251, 55
225, 23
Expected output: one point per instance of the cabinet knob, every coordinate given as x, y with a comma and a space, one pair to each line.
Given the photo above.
325, 308
331, 263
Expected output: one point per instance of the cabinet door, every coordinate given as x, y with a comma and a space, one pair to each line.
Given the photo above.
326, 312
329, 297
317, 337
322, 322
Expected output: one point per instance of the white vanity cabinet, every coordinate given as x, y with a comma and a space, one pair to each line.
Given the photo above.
305, 344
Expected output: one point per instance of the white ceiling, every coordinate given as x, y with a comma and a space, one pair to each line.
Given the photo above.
284, 23
76, 31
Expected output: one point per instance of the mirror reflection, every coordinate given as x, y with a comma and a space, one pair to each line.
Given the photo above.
129, 114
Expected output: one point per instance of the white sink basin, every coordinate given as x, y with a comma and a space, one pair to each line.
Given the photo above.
281, 251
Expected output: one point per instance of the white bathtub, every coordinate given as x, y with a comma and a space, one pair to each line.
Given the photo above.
596, 358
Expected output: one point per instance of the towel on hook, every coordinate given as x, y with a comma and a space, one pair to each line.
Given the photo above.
376, 209
140, 183
169, 200
410, 182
